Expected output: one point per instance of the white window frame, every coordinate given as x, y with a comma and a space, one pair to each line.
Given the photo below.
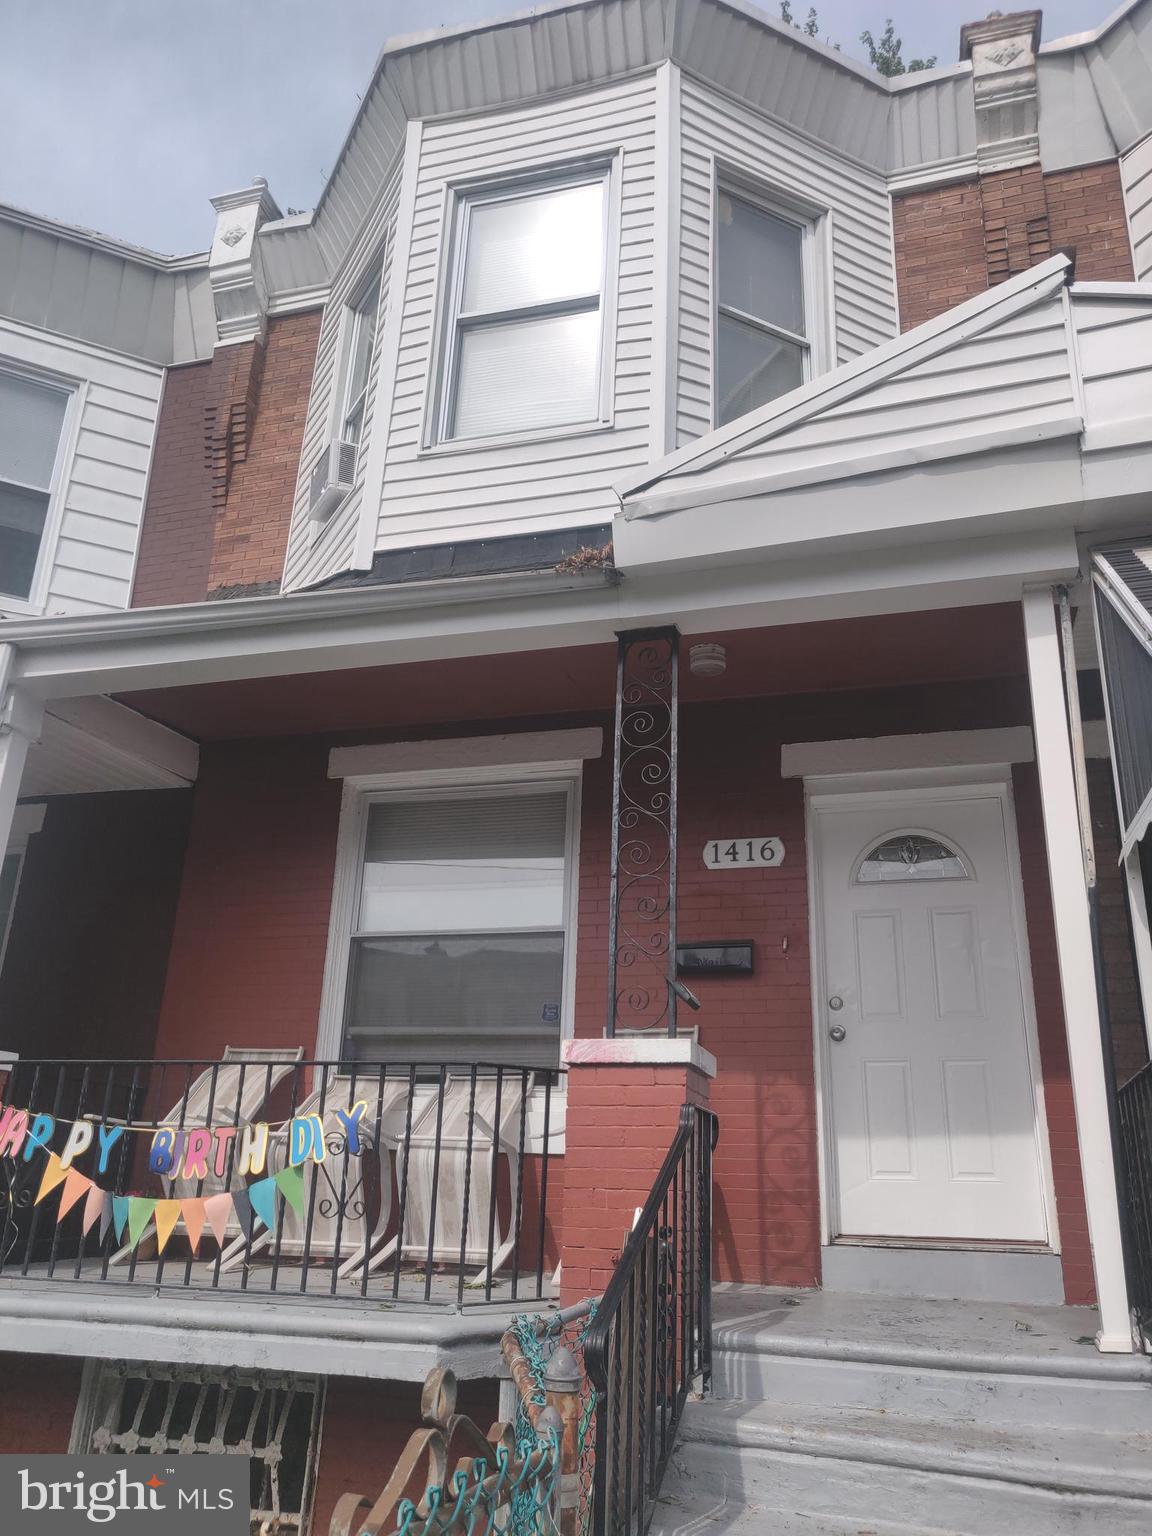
815, 225
363, 791
352, 324
75, 390
460, 199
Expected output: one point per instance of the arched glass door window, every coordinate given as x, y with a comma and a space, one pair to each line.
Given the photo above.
911, 856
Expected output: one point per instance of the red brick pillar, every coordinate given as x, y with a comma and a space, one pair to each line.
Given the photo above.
624, 1102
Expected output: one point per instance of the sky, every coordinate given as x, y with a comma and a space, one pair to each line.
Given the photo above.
126, 116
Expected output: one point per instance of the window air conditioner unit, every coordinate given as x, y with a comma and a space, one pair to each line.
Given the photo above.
332, 478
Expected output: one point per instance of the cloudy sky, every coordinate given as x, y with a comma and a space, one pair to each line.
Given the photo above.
127, 115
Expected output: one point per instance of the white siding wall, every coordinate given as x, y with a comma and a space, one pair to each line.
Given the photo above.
863, 274
435, 496
1136, 175
1114, 345
87, 561
311, 557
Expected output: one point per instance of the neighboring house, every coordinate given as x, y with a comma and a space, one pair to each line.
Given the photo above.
318, 746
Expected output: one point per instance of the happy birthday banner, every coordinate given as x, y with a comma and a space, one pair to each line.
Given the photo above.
175, 1152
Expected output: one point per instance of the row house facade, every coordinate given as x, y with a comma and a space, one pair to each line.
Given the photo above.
650, 507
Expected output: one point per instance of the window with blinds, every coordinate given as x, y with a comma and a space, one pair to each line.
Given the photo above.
458, 946
524, 348
31, 422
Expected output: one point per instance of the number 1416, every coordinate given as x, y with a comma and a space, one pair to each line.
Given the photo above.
730, 852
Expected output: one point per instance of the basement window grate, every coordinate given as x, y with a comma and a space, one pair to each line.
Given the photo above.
152, 1409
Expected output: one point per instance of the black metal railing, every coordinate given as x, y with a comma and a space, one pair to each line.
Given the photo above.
1134, 1129
650, 1343
425, 1184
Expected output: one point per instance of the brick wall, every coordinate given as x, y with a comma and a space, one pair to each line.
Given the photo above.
251, 931
366, 1426
224, 469
36, 1412
955, 241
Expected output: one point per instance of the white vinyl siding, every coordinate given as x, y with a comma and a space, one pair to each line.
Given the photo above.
93, 528
470, 490
860, 300
312, 557
1136, 177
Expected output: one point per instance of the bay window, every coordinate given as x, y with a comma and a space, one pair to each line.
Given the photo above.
526, 317
763, 344
458, 944
362, 321
31, 425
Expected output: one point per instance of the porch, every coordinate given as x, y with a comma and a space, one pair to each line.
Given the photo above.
263, 871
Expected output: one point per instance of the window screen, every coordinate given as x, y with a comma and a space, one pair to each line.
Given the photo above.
762, 343
458, 953
526, 327
31, 420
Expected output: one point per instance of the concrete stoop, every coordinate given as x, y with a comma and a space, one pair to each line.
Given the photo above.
848, 1417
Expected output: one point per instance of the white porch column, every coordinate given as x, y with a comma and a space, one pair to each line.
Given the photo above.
1077, 970
20, 719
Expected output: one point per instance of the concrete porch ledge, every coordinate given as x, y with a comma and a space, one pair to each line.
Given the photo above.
632, 1051
369, 1339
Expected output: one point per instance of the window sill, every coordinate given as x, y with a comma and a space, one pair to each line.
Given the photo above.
514, 439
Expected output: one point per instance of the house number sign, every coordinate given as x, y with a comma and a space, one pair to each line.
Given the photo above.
732, 852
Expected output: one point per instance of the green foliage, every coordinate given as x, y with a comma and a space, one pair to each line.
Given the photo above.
885, 56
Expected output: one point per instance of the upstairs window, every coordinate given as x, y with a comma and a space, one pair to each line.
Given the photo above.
362, 320
526, 322
763, 324
460, 927
31, 425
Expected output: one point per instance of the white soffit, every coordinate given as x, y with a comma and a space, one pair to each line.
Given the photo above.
93, 745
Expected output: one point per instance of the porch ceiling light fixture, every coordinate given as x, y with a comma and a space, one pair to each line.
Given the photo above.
707, 660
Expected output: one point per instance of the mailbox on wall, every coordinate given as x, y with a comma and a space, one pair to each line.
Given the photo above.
717, 957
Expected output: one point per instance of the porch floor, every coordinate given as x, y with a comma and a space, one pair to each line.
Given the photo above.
896, 1330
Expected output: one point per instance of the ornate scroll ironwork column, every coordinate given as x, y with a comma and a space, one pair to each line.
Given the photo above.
642, 938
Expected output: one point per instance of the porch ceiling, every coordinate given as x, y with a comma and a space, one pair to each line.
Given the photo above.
882, 652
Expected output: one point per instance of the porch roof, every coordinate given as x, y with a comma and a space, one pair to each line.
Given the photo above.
1025, 407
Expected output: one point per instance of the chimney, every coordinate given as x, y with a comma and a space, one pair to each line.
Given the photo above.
1003, 53
234, 266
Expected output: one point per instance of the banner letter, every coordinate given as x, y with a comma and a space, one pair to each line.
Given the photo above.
253, 1148
109, 1136
350, 1119
79, 1140
160, 1155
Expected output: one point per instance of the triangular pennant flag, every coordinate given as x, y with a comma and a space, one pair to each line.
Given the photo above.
218, 1213
54, 1173
120, 1215
167, 1214
105, 1216
93, 1206
193, 1214
290, 1182
75, 1185
139, 1215
262, 1194
243, 1208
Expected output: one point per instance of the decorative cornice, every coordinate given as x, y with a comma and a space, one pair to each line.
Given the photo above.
235, 268
1003, 54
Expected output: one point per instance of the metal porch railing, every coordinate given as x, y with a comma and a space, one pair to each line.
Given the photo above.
425, 1184
650, 1343
1134, 1130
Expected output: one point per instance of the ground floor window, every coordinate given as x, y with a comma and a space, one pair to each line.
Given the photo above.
459, 924
140, 1409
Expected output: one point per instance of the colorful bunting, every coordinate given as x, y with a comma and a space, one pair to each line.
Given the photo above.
94, 1209
218, 1213
105, 1215
290, 1182
243, 1208
193, 1213
54, 1173
75, 1185
262, 1195
166, 1214
140, 1210
120, 1215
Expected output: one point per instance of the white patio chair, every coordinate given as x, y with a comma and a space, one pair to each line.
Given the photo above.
342, 1239
232, 1093
444, 1200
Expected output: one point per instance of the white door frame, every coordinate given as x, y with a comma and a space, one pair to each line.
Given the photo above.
915, 788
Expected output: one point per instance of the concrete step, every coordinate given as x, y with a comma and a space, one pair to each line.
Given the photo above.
971, 1364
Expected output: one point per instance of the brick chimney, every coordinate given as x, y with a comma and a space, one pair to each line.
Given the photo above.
1003, 53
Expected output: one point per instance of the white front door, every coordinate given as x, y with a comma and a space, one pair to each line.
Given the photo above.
930, 1086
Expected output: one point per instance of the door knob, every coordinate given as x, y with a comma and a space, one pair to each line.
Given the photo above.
837, 1033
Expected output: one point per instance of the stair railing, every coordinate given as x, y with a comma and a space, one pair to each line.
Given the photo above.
1134, 1133
649, 1346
